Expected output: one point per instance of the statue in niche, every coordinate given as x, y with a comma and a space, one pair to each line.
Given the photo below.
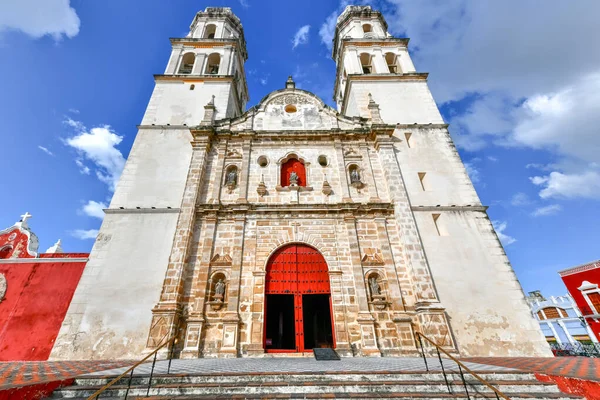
293, 178
232, 177
219, 290
354, 176
375, 289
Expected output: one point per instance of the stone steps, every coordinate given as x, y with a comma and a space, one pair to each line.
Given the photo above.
426, 385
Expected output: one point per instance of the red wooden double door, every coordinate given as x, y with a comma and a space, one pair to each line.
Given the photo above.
298, 313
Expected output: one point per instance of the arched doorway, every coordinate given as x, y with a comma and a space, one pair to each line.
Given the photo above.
298, 313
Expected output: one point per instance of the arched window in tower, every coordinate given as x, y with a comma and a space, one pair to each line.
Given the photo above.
392, 62
365, 61
209, 31
367, 28
187, 63
293, 172
212, 65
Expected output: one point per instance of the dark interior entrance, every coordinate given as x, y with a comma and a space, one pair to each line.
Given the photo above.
317, 321
280, 330
297, 301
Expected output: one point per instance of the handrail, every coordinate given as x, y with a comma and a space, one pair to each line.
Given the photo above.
130, 370
498, 393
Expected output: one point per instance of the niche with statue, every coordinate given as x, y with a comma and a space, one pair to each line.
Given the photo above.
377, 291
218, 289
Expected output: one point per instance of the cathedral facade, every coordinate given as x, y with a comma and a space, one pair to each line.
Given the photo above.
291, 225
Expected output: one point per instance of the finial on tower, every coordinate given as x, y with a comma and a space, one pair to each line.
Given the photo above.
209, 112
374, 111
290, 84
56, 248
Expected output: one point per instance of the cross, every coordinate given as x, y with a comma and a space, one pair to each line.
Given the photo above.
25, 217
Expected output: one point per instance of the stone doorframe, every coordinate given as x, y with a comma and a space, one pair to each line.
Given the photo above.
342, 344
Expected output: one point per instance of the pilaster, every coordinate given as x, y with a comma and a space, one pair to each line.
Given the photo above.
245, 170
339, 152
199, 64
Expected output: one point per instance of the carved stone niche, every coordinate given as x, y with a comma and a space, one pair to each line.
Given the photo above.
377, 290
231, 177
355, 176
218, 289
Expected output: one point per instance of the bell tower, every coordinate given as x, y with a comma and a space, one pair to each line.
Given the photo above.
208, 62
370, 61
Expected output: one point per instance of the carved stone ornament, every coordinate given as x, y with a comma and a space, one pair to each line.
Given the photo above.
3, 287
262, 188
327, 190
292, 99
221, 260
372, 257
233, 153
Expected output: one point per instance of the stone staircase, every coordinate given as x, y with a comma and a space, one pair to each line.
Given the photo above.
311, 385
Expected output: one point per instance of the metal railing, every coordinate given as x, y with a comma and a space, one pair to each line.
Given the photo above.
173, 340
461, 367
577, 349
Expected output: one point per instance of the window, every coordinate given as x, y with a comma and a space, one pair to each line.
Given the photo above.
213, 63
322, 161
407, 135
551, 313
263, 161
367, 28
187, 63
439, 226
293, 173
365, 62
290, 109
595, 300
541, 315
392, 62
423, 180
209, 31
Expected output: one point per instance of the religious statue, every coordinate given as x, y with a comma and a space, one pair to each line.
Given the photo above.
232, 177
354, 176
375, 289
219, 290
293, 178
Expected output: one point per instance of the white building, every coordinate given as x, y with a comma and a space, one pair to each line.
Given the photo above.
289, 225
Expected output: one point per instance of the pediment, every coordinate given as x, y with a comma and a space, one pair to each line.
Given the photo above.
292, 109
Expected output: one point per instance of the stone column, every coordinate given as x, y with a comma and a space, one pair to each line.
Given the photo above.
225, 60
341, 167
167, 313
430, 312
195, 320
342, 338
566, 331
406, 64
378, 62
365, 320
231, 319
199, 64
218, 183
368, 172
245, 170
174, 59
258, 307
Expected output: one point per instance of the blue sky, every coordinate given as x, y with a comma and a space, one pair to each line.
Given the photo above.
519, 83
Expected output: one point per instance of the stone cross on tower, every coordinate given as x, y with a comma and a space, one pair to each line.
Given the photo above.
24, 219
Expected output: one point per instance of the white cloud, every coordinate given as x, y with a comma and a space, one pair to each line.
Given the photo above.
38, 18
327, 30
98, 145
520, 199
301, 36
244, 3
558, 185
265, 79
94, 209
73, 111
45, 150
85, 234
473, 172
547, 210
492, 158
500, 227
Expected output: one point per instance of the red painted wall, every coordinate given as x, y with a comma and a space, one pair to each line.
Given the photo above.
573, 282
37, 298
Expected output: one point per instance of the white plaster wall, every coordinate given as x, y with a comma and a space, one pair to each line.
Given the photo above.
404, 102
173, 102
156, 169
109, 316
478, 288
431, 151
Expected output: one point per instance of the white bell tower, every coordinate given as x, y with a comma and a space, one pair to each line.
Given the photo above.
370, 61
208, 62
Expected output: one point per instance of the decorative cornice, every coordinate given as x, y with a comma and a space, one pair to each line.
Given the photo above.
336, 208
42, 260
140, 210
449, 208
580, 268
193, 78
